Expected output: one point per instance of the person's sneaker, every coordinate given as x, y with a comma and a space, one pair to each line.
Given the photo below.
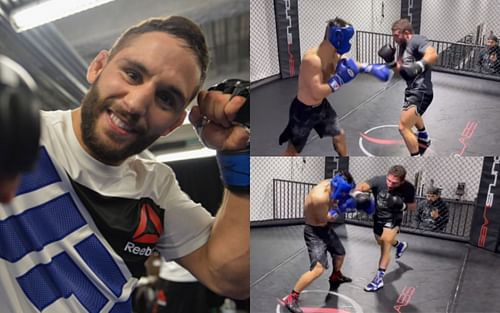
292, 304
423, 144
376, 283
337, 279
401, 248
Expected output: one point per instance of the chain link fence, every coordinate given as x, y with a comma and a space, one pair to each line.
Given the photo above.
264, 60
264, 169
282, 196
461, 27
458, 178
456, 57
457, 225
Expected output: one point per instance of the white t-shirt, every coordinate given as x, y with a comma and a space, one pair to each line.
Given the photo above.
172, 271
78, 230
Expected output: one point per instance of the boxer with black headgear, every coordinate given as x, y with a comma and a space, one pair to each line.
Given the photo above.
323, 71
323, 205
19, 125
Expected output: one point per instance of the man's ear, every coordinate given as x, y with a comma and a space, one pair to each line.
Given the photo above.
178, 122
97, 65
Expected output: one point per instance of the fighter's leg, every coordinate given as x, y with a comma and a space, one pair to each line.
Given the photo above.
328, 125
407, 120
291, 150
337, 251
301, 122
339, 144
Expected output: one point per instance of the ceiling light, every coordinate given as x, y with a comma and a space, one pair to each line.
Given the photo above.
42, 12
186, 155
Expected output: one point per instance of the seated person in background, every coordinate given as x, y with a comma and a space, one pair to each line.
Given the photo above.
433, 214
489, 57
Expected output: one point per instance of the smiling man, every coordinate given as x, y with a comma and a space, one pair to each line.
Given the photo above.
77, 234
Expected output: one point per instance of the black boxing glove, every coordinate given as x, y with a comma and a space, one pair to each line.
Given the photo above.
365, 201
396, 204
410, 71
235, 165
388, 52
19, 119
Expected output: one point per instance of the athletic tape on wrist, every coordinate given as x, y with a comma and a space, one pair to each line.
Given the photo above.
235, 169
235, 165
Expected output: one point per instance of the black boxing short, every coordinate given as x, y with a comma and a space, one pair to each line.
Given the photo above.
380, 223
322, 239
418, 98
303, 118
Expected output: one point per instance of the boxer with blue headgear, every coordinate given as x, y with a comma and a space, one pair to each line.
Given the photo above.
339, 34
322, 71
320, 237
341, 186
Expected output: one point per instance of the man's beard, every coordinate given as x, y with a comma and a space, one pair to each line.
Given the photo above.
402, 45
92, 106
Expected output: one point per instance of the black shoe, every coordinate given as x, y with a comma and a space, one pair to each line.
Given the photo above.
423, 145
292, 305
337, 280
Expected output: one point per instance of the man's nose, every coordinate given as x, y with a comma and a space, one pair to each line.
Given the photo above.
138, 99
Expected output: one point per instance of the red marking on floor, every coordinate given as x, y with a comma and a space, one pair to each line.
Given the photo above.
466, 135
382, 141
404, 298
323, 310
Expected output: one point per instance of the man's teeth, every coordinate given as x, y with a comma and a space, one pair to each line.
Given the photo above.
119, 122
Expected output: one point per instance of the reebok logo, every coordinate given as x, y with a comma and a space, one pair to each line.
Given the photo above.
150, 227
132, 248
148, 232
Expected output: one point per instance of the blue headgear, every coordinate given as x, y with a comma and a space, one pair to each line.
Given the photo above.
339, 37
341, 188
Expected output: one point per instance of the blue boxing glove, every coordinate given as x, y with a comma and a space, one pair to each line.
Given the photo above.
333, 212
410, 71
346, 70
344, 205
347, 206
380, 71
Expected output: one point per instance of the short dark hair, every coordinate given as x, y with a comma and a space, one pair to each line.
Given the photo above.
402, 25
398, 171
493, 37
434, 191
177, 26
337, 22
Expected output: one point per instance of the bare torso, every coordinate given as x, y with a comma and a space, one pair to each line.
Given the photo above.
315, 68
317, 204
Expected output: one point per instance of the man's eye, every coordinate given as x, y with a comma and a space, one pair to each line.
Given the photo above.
166, 101
133, 75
